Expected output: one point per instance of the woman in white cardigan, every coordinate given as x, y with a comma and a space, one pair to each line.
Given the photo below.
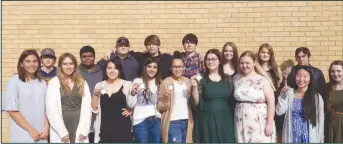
304, 108
110, 101
68, 103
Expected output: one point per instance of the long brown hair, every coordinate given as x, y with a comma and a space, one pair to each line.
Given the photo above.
234, 60
225, 78
75, 76
258, 69
145, 77
21, 71
331, 89
271, 61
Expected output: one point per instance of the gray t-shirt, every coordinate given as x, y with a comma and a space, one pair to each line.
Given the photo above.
29, 99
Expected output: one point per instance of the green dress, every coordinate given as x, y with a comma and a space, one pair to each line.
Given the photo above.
214, 121
336, 124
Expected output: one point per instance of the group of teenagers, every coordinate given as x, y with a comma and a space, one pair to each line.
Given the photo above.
188, 97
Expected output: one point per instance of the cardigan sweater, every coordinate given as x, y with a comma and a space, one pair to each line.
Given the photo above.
284, 105
58, 129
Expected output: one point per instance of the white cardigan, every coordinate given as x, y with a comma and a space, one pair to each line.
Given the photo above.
285, 105
130, 102
54, 113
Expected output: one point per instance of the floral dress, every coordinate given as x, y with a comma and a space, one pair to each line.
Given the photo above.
299, 124
251, 110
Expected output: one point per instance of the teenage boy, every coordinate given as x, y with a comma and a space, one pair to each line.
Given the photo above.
152, 44
48, 59
302, 56
130, 63
193, 60
92, 73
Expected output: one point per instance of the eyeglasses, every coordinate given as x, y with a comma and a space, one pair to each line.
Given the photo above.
211, 60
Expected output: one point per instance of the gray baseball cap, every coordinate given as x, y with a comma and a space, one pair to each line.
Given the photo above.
48, 52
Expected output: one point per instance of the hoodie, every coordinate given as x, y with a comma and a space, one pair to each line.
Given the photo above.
92, 77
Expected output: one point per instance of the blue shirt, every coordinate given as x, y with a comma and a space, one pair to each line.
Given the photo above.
47, 76
28, 98
130, 66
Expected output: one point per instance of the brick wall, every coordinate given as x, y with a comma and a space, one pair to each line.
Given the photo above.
67, 26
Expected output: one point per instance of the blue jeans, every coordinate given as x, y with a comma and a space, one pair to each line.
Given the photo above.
177, 131
148, 130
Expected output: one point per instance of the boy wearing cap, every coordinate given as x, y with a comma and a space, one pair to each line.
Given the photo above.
152, 44
48, 59
92, 73
130, 63
193, 60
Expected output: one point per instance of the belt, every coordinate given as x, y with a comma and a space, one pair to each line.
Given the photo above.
252, 102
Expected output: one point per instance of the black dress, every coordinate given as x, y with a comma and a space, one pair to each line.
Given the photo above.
115, 128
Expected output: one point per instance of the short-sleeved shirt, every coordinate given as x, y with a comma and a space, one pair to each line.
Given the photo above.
29, 99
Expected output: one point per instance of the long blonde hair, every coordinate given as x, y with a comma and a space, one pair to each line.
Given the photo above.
75, 76
258, 69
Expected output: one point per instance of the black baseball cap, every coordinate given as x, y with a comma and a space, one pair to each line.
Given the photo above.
123, 41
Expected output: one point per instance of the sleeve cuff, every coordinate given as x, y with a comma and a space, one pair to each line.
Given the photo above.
10, 108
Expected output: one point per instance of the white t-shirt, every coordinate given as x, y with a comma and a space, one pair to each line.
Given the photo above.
145, 108
180, 109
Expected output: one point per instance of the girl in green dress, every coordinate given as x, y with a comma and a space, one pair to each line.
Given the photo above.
213, 100
335, 102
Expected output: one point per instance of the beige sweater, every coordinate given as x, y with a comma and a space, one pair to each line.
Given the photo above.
165, 107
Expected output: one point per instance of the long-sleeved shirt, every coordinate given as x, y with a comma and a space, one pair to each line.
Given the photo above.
144, 108
130, 66
193, 64
164, 62
92, 77
47, 76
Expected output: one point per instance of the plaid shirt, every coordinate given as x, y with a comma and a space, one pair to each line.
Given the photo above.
192, 65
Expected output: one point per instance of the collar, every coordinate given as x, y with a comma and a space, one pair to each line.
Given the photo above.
191, 57
51, 73
149, 56
129, 56
309, 65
